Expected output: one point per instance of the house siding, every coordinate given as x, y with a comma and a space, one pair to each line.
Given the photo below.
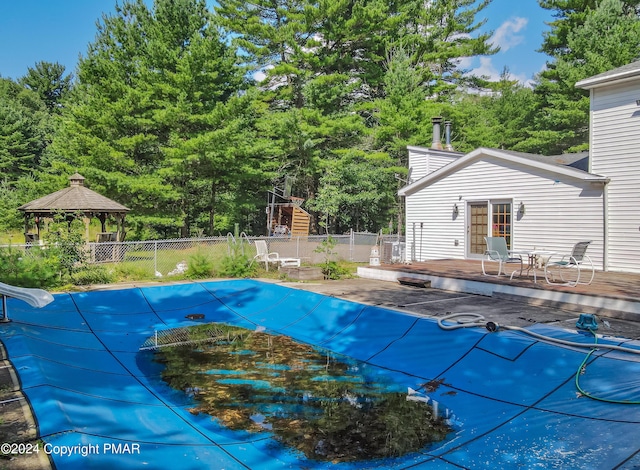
554, 216
418, 163
423, 161
615, 153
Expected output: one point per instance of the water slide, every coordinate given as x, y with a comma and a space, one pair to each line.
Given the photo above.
37, 298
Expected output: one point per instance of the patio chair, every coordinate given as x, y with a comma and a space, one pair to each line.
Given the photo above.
497, 252
263, 256
578, 262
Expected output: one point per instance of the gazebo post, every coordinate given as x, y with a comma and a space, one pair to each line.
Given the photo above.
120, 226
26, 226
87, 222
102, 216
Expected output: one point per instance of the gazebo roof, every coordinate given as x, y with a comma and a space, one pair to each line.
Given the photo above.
75, 198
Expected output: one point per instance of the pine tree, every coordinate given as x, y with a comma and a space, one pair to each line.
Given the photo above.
151, 92
588, 37
275, 36
24, 125
49, 81
441, 32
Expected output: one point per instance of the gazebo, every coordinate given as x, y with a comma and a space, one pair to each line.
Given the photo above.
73, 201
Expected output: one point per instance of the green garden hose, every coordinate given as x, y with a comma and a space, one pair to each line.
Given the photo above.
467, 320
583, 368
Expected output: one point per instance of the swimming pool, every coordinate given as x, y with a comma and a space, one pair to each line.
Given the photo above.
99, 404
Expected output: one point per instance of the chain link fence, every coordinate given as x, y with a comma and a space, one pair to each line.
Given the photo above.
167, 257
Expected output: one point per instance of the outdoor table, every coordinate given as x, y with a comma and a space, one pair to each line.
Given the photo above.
532, 256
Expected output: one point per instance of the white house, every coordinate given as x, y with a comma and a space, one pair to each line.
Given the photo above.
454, 200
614, 142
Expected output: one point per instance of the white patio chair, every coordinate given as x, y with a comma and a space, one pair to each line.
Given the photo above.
264, 256
578, 262
497, 252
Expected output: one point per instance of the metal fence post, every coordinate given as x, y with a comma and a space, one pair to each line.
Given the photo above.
172, 250
5, 315
351, 244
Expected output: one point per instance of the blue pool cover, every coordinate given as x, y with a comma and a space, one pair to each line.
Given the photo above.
511, 397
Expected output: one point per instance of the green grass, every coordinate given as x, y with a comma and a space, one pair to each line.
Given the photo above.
167, 260
139, 265
13, 237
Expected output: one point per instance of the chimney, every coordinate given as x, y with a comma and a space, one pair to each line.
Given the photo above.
447, 133
436, 144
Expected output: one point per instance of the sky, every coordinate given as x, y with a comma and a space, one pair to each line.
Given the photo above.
59, 31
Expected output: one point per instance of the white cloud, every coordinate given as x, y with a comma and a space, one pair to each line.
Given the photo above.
488, 70
261, 74
506, 36
523, 79
465, 62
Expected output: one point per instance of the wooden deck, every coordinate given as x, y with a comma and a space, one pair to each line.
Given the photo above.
607, 287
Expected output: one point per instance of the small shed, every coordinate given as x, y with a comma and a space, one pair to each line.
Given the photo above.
72, 201
288, 218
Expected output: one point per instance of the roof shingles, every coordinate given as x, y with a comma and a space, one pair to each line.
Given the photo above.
74, 198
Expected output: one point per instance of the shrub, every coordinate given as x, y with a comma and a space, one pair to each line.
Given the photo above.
236, 265
130, 272
330, 268
65, 242
38, 268
199, 266
93, 275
